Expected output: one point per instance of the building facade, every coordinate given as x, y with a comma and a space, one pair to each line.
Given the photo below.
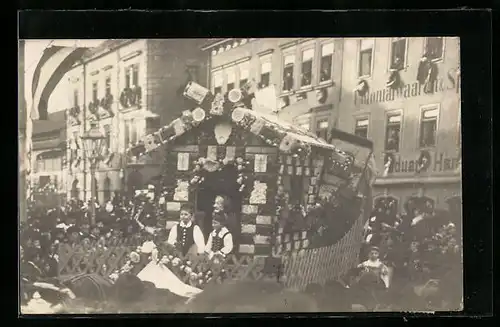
404, 95
401, 93
129, 88
47, 177
304, 72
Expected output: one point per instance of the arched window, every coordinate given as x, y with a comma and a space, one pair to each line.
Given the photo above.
107, 189
75, 191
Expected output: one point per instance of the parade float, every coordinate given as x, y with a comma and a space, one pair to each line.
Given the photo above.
296, 201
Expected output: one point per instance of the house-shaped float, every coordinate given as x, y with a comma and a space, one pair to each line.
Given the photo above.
264, 169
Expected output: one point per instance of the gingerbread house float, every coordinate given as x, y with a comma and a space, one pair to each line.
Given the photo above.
272, 175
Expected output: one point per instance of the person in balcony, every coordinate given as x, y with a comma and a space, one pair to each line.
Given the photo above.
185, 235
220, 240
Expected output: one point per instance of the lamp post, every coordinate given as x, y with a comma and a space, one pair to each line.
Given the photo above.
93, 143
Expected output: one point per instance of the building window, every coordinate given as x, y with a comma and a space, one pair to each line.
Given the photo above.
95, 91
393, 132
428, 127
107, 134
75, 191
107, 189
230, 78
244, 73
398, 53
326, 62
133, 131
265, 71
132, 76
361, 128
307, 61
289, 62
126, 133
107, 83
366, 57
75, 98
322, 127
217, 80
434, 47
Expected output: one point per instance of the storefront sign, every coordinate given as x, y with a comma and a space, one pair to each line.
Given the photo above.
439, 162
407, 91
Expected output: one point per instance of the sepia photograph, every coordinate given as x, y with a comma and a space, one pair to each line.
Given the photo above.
240, 175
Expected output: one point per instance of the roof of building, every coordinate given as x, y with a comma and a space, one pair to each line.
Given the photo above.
290, 139
56, 121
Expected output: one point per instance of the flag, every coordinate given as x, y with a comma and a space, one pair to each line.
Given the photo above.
54, 63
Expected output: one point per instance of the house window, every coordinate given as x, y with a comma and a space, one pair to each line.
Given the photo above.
322, 127
434, 47
107, 189
126, 133
230, 78
307, 61
289, 62
265, 71
107, 134
244, 73
428, 127
393, 132
95, 91
398, 53
132, 76
326, 62
361, 128
108, 85
133, 131
217, 80
75, 191
365, 57
75, 98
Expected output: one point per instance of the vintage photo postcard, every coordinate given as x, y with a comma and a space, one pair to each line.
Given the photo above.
231, 175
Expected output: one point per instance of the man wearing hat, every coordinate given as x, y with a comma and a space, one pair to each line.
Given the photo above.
185, 235
220, 240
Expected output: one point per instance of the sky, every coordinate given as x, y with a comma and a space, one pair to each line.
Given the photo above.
60, 98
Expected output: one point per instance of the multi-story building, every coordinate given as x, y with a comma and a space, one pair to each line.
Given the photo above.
379, 88
305, 74
404, 95
47, 177
130, 88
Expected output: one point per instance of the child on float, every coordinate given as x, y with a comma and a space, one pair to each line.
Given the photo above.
220, 240
185, 235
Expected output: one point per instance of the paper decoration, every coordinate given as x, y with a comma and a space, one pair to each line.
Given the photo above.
257, 126
230, 152
212, 152
181, 191
182, 161
249, 209
259, 193
222, 132
173, 206
260, 163
179, 126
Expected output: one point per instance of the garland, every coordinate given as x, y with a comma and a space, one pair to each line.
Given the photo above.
202, 166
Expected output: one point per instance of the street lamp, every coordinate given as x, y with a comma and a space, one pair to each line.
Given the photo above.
93, 143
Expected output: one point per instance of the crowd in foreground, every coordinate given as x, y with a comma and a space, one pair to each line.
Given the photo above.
421, 248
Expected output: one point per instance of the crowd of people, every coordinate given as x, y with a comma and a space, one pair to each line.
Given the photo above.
423, 245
